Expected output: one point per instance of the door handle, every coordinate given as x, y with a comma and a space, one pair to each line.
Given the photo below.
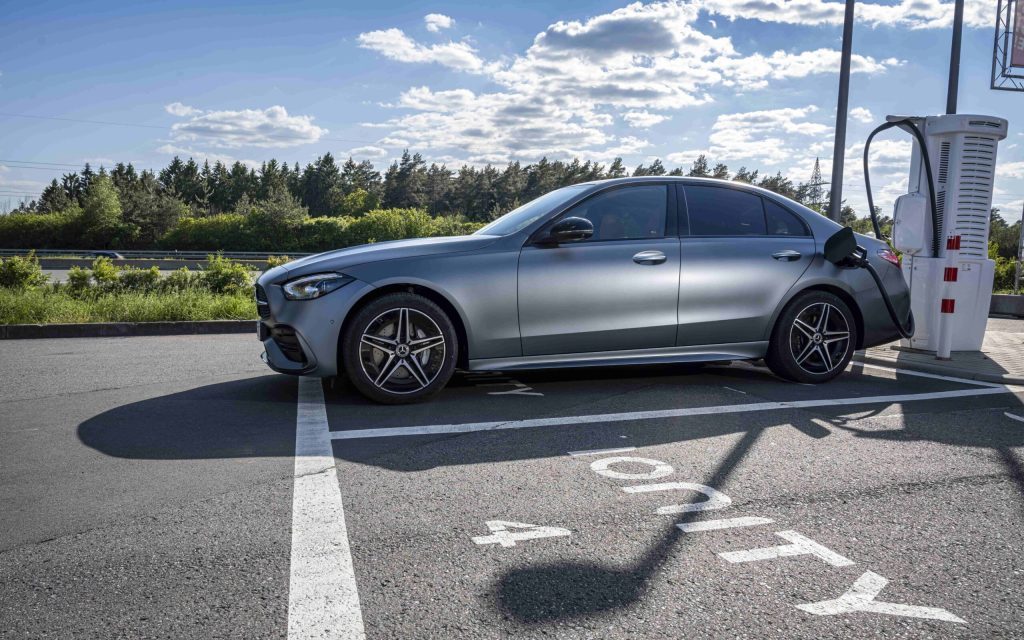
649, 257
788, 255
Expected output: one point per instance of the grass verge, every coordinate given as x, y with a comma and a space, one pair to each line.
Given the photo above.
46, 306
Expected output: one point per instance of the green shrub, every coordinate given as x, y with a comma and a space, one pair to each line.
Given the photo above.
42, 230
104, 272
182, 280
226, 276
1005, 270
324, 234
21, 272
276, 261
225, 231
140, 280
79, 279
380, 225
454, 226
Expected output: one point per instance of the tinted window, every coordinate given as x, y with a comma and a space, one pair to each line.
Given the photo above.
716, 211
782, 222
626, 214
524, 216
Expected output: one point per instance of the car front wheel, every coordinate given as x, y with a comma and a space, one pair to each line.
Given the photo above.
813, 339
399, 349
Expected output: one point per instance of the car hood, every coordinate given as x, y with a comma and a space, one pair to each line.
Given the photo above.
392, 250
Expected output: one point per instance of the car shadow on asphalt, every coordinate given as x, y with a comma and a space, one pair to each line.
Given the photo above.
252, 417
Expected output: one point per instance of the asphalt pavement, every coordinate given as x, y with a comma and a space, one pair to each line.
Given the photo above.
150, 487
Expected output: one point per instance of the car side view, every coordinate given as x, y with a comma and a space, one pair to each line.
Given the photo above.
624, 271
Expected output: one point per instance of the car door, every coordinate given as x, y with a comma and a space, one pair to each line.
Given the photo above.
741, 253
615, 290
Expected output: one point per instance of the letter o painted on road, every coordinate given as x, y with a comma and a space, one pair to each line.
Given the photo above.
660, 469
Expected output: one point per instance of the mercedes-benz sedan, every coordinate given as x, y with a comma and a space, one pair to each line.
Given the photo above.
626, 271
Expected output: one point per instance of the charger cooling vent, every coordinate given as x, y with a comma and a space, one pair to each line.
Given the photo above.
974, 179
943, 162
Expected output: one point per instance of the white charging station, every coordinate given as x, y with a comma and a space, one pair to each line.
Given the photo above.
962, 152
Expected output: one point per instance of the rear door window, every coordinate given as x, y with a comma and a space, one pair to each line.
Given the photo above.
781, 222
721, 211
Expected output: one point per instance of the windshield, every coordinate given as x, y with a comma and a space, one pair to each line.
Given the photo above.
522, 217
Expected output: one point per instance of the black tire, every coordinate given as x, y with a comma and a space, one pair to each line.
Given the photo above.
805, 347
384, 365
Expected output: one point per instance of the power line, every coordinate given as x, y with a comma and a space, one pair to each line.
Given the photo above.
165, 128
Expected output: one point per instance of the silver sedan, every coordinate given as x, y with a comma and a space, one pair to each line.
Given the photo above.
628, 271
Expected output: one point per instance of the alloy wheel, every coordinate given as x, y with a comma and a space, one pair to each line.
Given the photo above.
401, 350
819, 338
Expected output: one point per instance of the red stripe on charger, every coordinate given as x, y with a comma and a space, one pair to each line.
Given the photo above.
948, 304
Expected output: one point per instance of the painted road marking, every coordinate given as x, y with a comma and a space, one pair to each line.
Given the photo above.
716, 499
800, 545
724, 523
601, 452
323, 601
469, 427
861, 597
508, 533
736, 390
660, 469
1013, 417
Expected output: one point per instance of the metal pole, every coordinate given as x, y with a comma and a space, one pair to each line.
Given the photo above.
835, 203
1020, 253
954, 57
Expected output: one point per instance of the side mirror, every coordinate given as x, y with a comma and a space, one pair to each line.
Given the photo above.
840, 246
571, 230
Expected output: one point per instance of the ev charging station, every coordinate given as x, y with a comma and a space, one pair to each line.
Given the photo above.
945, 256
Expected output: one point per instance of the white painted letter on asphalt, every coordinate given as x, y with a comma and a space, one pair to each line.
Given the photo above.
660, 470
501, 533
861, 597
716, 499
801, 546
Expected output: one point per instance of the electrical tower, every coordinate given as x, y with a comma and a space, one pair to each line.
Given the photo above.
815, 194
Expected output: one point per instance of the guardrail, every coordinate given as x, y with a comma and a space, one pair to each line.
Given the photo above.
152, 255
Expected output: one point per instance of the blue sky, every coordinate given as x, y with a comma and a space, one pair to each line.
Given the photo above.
749, 82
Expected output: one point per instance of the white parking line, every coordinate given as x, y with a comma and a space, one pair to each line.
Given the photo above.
469, 427
323, 601
1013, 417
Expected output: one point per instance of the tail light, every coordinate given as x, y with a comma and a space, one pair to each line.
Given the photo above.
889, 256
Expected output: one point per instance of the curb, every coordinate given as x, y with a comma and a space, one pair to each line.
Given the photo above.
124, 329
939, 369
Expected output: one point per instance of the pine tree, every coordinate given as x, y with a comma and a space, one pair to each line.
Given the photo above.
699, 168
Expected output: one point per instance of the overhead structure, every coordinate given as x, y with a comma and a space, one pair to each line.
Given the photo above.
1008, 46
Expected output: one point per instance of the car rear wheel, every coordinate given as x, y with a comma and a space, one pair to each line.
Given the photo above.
813, 339
400, 349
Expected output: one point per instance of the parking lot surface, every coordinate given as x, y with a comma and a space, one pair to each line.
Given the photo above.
172, 487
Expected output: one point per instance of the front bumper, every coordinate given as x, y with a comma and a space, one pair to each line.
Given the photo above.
300, 337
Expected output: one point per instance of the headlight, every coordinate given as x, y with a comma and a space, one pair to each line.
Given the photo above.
315, 286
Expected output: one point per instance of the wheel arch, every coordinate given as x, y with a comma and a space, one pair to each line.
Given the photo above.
432, 294
827, 287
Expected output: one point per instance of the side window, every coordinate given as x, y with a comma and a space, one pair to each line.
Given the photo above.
782, 222
629, 213
721, 211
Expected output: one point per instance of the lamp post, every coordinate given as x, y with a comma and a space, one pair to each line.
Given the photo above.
835, 203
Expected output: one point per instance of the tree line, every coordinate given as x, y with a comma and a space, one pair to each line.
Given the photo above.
188, 205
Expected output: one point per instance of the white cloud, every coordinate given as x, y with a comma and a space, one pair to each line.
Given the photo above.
764, 138
915, 14
394, 44
562, 94
437, 21
271, 127
862, 114
368, 152
181, 110
204, 156
1010, 170
643, 119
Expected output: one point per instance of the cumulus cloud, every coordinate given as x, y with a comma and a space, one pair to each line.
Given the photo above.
203, 156
862, 114
181, 110
566, 89
643, 119
368, 151
1010, 170
915, 14
394, 44
271, 127
437, 21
